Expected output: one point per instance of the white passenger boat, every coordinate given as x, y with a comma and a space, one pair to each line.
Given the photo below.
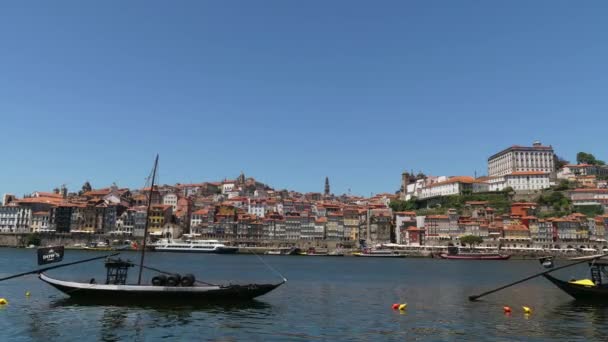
194, 246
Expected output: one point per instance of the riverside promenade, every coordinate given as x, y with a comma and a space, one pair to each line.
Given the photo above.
79, 240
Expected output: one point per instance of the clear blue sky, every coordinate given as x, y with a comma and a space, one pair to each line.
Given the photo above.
293, 91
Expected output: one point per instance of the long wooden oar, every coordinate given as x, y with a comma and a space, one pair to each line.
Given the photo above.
474, 298
40, 270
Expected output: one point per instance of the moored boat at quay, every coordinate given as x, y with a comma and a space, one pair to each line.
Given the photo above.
475, 256
194, 246
454, 253
314, 252
380, 253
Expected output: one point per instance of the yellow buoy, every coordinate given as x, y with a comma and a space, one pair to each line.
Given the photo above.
3, 301
402, 306
27, 293
527, 310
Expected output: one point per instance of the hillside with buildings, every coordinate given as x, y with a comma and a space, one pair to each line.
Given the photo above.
530, 197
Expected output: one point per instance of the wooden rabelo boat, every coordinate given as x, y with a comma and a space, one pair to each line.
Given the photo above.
595, 288
165, 286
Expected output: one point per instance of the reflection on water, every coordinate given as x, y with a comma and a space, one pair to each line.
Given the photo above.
326, 299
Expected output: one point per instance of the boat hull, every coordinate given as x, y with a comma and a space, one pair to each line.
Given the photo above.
474, 257
363, 255
580, 292
221, 250
153, 294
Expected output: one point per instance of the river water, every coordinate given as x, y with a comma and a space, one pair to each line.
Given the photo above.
325, 299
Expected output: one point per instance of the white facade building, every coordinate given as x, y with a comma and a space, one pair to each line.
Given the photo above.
521, 181
15, 219
454, 186
257, 208
522, 159
228, 187
171, 199
570, 172
40, 222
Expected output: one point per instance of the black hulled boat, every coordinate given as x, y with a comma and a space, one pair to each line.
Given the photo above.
595, 289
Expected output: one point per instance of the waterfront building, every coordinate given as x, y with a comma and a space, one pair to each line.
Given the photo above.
403, 220
522, 159
62, 216
41, 222
414, 236
274, 227
293, 226
381, 226
532, 223
160, 215
516, 235
459, 185
437, 227
545, 232
125, 223
566, 229
351, 223
335, 226
474, 228
15, 219
320, 225
307, 225
140, 217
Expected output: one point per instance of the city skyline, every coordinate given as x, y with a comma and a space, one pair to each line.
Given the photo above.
292, 94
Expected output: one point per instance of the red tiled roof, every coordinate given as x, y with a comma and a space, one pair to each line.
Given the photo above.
437, 217
409, 213
48, 194
516, 227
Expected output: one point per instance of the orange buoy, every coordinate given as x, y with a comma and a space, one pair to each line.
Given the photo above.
507, 309
395, 306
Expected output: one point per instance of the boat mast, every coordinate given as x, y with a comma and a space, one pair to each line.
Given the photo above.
143, 249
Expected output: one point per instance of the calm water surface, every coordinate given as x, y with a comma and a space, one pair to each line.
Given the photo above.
326, 299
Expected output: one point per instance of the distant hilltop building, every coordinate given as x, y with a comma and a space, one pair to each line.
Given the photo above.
327, 191
7, 198
535, 158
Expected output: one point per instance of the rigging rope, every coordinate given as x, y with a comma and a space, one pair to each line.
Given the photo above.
269, 267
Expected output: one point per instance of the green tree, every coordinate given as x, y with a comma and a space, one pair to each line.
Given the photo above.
588, 158
399, 205
564, 184
471, 240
